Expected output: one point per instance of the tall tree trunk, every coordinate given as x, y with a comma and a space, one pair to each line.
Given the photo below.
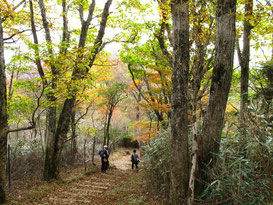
221, 80
50, 142
78, 74
65, 37
270, 4
59, 137
105, 125
194, 149
244, 60
51, 115
73, 137
3, 119
93, 150
108, 126
179, 109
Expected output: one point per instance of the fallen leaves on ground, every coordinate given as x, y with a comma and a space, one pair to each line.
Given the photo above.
119, 185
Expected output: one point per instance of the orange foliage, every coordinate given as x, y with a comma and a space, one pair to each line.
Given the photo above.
148, 131
160, 107
230, 108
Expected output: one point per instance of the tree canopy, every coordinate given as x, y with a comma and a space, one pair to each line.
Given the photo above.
196, 75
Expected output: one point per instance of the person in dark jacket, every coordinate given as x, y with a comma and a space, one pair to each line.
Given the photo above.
104, 155
134, 159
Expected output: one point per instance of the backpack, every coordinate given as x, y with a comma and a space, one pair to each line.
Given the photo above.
134, 158
103, 154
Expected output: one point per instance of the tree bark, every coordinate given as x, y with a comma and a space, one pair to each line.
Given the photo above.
105, 125
244, 60
3, 119
93, 150
73, 136
65, 115
194, 150
221, 80
179, 109
35, 38
59, 137
108, 125
65, 37
50, 142
194, 164
51, 115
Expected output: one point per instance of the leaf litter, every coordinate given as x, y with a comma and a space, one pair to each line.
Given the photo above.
119, 185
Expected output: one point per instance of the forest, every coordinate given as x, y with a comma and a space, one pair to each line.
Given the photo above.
189, 84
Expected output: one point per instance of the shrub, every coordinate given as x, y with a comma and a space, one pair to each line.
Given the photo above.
157, 162
243, 172
26, 158
126, 141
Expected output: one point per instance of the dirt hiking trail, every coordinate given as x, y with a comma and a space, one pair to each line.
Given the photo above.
119, 185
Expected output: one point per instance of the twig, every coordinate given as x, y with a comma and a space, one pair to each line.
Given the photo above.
33, 121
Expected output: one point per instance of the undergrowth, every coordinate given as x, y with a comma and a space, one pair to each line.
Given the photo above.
157, 163
243, 172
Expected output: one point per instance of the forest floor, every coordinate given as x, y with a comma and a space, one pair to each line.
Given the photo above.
120, 185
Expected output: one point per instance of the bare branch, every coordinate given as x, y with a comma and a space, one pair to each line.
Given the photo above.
85, 113
137, 87
19, 4
35, 37
105, 65
85, 24
10, 91
81, 13
118, 41
101, 32
66, 34
22, 129
268, 3
15, 34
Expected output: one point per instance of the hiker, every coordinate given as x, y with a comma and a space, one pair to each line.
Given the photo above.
134, 159
104, 155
